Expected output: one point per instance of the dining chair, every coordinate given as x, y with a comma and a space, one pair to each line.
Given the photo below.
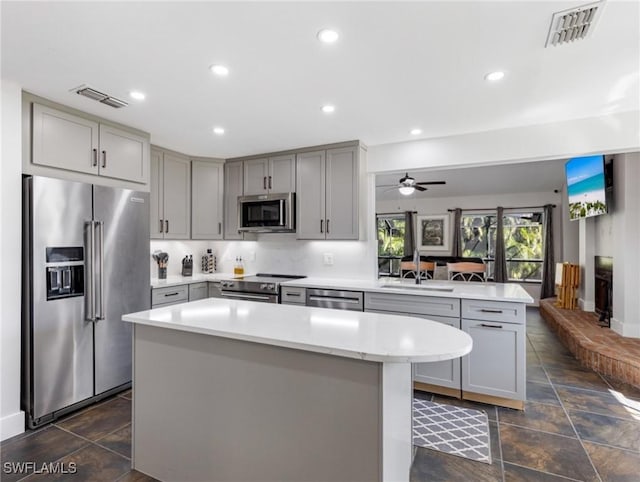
465, 271
408, 269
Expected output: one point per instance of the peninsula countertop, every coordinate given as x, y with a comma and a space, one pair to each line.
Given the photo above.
512, 292
366, 336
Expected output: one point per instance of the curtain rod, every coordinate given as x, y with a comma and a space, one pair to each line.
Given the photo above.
493, 209
396, 212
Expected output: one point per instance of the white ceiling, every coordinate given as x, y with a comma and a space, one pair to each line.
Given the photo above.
397, 65
526, 177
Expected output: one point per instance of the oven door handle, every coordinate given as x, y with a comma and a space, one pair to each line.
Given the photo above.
231, 294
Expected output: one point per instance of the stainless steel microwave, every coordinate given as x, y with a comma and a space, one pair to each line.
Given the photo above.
267, 213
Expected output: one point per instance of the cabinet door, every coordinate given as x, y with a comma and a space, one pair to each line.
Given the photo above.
123, 155
282, 174
443, 373
156, 216
214, 289
176, 197
233, 177
496, 364
256, 173
310, 198
342, 194
64, 141
198, 291
206, 200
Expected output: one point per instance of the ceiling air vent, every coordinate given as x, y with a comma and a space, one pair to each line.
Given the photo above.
100, 97
573, 24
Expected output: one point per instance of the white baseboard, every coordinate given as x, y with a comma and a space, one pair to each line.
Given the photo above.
586, 305
11, 425
625, 329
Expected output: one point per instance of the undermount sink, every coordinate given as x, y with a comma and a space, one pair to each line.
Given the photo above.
399, 286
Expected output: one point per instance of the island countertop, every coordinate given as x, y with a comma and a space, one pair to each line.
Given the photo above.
365, 336
448, 289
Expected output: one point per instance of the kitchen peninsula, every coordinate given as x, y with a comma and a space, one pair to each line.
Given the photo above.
236, 390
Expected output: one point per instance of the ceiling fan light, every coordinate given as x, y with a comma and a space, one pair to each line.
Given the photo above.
406, 190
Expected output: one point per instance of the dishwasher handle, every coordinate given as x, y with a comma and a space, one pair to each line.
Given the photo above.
336, 299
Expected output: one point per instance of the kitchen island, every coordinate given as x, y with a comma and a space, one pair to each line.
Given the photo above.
237, 390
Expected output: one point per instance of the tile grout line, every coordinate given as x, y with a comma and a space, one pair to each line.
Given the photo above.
546, 473
564, 409
94, 443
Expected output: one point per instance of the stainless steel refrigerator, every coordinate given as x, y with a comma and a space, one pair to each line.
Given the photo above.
85, 263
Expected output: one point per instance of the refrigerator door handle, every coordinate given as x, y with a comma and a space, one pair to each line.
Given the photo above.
100, 315
90, 295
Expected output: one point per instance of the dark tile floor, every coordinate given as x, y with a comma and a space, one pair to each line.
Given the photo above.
576, 426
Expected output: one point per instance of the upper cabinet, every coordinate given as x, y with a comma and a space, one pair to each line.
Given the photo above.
206, 199
327, 197
170, 196
62, 140
233, 182
269, 175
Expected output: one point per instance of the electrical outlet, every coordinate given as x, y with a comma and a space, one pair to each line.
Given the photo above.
327, 259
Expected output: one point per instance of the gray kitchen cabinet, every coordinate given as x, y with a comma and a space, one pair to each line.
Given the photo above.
198, 291
207, 180
327, 201
293, 295
233, 185
214, 290
496, 364
169, 295
270, 175
65, 141
170, 196
443, 310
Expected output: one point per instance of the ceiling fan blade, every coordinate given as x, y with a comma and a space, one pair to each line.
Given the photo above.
387, 185
420, 188
427, 183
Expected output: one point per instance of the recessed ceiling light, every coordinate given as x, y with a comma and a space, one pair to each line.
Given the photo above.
328, 109
328, 36
415, 132
218, 130
137, 95
220, 70
493, 76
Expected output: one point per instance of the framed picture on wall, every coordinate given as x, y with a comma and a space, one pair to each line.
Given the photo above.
433, 231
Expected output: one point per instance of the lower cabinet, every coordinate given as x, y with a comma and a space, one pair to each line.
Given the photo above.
198, 291
214, 289
496, 365
169, 295
443, 373
292, 295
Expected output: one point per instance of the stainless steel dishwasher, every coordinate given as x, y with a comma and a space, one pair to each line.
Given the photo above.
336, 299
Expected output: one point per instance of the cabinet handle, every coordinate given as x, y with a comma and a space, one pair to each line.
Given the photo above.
327, 226
264, 182
321, 221
161, 225
95, 157
297, 295
490, 326
269, 182
171, 294
104, 159
219, 228
166, 225
487, 310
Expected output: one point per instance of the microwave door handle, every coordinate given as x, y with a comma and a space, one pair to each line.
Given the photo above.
281, 212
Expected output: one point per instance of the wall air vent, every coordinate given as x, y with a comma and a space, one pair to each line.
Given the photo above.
573, 24
100, 97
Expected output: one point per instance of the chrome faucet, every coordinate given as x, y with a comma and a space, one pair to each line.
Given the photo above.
416, 260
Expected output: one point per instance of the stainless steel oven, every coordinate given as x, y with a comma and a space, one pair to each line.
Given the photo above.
262, 287
267, 213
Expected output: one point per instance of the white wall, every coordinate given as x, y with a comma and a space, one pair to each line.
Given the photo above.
440, 205
11, 417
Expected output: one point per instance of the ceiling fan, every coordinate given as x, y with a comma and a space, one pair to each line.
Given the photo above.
406, 185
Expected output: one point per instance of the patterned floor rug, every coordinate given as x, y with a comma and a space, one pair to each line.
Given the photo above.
457, 431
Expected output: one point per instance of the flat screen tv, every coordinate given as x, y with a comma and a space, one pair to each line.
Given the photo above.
586, 186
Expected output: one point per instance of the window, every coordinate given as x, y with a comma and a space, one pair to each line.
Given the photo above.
390, 243
522, 239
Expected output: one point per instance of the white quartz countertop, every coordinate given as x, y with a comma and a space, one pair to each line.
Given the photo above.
366, 336
447, 289
177, 280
